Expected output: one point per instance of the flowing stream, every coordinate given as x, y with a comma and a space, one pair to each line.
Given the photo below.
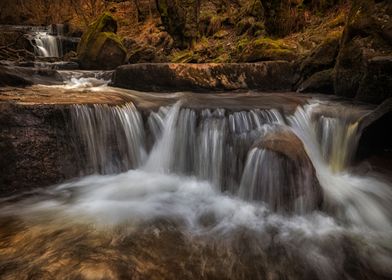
183, 193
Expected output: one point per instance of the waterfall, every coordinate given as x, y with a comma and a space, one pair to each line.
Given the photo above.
47, 42
363, 201
216, 146
196, 184
108, 139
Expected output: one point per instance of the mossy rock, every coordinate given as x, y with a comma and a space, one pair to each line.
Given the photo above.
264, 49
100, 47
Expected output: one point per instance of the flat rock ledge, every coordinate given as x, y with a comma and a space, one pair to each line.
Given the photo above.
263, 76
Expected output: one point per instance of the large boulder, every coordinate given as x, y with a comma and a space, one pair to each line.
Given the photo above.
265, 76
367, 35
284, 175
100, 47
181, 20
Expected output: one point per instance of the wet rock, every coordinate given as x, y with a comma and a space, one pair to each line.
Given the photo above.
298, 183
365, 38
267, 76
320, 82
21, 76
100, 47
34, 148
9, 77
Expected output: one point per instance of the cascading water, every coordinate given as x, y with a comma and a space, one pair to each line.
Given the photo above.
46, 42
212, 196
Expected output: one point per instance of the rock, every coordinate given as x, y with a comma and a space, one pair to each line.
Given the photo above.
181, 20
9, 77
322, 57
320, 82
144, 54
100, 47
374, 129
376, 84
266, 76
266, 49
365, 37
16, 39
34, 148
21, 77
296, 187
69, 44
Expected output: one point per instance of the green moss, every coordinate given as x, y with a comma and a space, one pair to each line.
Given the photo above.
268, 43
98, 33
241, 45
184, 57
267, 49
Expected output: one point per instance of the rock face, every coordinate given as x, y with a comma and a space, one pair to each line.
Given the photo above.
21, 76
298, 183
321, 58
266, 76
320, 82
34, 147
181, 19
100, 47
375, 129
360, 71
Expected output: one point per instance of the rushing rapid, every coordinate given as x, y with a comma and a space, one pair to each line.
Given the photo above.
199, 187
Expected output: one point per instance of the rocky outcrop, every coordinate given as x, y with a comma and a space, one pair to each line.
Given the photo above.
266, 76
21, 76
376, 84
360, 72
320, 82
34, 148
100, 47
181, 20
374, 129
322, 57
299, 186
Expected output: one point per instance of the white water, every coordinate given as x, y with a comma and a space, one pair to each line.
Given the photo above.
363, 201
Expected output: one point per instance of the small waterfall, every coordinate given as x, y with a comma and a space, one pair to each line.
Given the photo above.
216, 146
47, 42
362, 201
284, 185
108, 139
